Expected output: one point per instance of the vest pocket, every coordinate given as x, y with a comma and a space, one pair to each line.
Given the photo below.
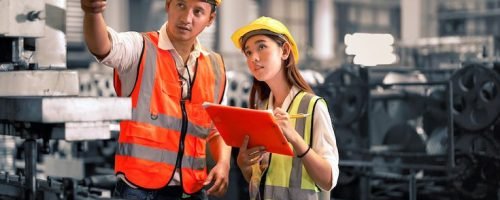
146, 133
166, 99
172, 89
199, 116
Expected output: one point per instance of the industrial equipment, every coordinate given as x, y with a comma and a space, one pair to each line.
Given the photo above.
39, 102
412, 138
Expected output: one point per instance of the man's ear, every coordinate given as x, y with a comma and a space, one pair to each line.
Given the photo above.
167, 4
286, 51
212, 18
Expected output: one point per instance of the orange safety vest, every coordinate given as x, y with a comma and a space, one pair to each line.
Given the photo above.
165, 131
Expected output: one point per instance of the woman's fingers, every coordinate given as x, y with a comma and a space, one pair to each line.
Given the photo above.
280, 114
253, 155
250, 156
244, 144
255, 150
255, 160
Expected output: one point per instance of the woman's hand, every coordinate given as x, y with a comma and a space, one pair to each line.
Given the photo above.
248, 157
283, 120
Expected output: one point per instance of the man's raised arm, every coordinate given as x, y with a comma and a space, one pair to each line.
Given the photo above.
94, 27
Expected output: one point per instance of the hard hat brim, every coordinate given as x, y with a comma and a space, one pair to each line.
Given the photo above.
240, 33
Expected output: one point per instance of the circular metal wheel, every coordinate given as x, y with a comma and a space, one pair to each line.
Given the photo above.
476, 97
346, 95
469, 183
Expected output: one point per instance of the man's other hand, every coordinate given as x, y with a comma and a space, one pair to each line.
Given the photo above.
219, 177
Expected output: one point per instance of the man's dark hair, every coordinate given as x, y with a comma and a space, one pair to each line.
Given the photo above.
214, 8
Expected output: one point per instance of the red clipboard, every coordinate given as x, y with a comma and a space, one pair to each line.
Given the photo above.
233, 123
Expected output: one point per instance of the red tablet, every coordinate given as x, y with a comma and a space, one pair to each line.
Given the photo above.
233, 123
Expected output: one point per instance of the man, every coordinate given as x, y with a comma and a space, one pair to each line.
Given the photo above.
168, 75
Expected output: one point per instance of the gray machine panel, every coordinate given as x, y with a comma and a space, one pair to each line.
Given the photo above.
64, 109
39, 83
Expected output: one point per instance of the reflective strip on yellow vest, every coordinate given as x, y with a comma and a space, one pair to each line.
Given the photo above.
286, 177
148, 145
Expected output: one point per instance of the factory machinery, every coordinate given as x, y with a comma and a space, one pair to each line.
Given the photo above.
58, 139
410, 133
402, 132
416, 133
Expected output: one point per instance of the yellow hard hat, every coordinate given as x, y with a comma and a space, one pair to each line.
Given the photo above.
215, 2
268, 25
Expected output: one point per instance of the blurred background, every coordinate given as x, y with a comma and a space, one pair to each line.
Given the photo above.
413, 88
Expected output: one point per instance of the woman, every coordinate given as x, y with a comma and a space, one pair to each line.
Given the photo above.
272, 54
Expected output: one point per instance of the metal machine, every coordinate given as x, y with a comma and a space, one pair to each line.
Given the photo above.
39, 98
405, 137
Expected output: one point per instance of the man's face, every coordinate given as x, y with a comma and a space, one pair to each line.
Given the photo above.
188, 18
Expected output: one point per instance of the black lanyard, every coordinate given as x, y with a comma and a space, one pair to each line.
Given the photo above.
187, 81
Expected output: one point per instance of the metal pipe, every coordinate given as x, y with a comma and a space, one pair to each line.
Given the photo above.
370, 164
30, 168
451, 134
413, 69
412, 186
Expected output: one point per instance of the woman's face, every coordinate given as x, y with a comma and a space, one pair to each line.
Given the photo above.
264, 57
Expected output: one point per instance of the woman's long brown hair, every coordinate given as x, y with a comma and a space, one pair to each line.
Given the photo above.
260, 90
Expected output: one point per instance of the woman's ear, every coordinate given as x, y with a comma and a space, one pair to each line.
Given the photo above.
286, 51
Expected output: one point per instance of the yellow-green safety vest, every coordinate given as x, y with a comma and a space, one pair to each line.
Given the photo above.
286, 177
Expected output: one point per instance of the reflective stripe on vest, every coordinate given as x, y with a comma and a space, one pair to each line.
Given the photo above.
158, 155
148, 144
286, 177
216, 70
169, 122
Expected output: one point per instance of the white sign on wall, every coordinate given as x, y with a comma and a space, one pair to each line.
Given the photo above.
370, 49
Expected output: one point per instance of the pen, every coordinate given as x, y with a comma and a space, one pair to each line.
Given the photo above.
298, 115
